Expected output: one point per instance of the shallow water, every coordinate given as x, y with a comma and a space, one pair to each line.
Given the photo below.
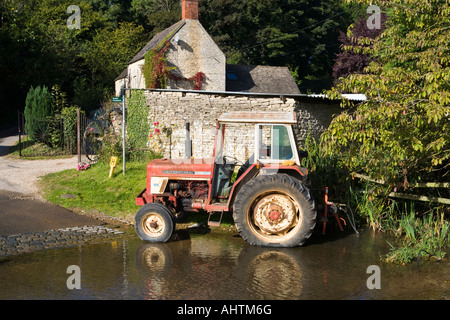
222, 266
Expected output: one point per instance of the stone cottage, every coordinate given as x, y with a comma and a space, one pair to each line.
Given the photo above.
192, 51
226, 87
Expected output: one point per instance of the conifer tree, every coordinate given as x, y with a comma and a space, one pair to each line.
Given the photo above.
38, 106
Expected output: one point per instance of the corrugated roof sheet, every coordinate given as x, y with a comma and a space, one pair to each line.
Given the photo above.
348, 96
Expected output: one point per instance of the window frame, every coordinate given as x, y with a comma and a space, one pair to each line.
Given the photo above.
258, 132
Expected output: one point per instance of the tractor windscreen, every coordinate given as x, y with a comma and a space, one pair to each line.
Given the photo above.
274, 143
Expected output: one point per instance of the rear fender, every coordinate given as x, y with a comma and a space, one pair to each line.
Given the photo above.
294, 170
300, 173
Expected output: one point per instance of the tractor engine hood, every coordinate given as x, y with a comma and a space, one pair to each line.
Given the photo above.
192, 169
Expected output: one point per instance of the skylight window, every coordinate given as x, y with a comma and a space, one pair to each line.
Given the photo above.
231, 76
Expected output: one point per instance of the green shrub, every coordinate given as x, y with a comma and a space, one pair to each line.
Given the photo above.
138, 126
69, 119
38, 106
111, 145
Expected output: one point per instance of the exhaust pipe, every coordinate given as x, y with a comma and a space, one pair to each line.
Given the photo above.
188, 142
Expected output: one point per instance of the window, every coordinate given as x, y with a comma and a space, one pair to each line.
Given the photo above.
232, 76
273, 143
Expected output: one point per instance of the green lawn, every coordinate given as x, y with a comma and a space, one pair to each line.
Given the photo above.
95, 191
35, 151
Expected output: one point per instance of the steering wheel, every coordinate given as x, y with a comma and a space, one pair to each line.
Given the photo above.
233, 160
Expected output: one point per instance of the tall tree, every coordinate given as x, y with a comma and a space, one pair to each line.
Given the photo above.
156, 15
115, 12
104, 57
348, 61
301, 34
17, 56
38, 48
401, 133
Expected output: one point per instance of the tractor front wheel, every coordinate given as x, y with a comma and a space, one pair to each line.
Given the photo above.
274, 211
154, 223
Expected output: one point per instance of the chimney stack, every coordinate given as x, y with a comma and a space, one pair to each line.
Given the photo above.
189, 9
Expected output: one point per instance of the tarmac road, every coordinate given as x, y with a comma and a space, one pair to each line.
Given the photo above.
22, 214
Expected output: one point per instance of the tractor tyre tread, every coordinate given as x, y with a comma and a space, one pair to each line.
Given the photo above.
286, 184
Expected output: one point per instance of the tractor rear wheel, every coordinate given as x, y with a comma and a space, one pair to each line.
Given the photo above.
275, 211
154, 223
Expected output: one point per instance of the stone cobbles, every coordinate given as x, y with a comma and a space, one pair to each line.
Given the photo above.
55, 239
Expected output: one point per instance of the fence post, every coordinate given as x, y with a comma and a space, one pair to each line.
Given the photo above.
78, 135
19, 127
123, 131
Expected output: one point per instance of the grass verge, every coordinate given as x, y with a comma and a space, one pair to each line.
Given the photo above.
92, 191
35, 151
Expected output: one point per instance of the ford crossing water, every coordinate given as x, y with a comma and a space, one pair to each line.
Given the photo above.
222, 267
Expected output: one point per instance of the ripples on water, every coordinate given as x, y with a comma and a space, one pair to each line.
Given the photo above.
221, 267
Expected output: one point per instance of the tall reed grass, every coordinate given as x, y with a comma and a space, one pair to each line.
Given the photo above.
416, 227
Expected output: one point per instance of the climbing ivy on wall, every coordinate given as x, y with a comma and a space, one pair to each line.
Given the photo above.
156, 71
138, 127
198, 80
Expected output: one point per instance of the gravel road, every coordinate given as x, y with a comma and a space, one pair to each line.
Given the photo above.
20, 175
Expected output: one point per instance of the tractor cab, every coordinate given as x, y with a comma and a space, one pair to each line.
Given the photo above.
273, 138
274, 146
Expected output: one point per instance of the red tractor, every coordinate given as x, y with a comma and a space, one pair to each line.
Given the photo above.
267, 196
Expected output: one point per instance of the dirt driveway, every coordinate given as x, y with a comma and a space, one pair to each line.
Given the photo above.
21, 175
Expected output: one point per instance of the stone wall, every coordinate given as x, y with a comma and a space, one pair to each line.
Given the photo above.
170, 110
